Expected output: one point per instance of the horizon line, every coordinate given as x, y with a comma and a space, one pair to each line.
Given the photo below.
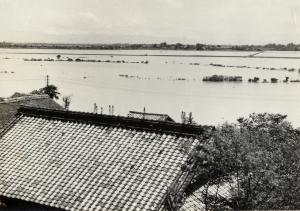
142, 43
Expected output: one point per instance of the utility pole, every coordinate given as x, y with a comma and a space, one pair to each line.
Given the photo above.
47, 80
144, 112
95, 108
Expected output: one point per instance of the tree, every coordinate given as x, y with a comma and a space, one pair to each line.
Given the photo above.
187, 119
291, 47
163, 45
178, 46
200, 46
67, 101
50, 90
36, 92
58, 56
259, 154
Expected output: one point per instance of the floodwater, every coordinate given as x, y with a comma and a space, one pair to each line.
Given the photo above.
164, 84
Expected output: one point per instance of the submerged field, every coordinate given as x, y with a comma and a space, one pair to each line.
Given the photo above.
163, 84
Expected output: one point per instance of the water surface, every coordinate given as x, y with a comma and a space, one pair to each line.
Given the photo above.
155, 85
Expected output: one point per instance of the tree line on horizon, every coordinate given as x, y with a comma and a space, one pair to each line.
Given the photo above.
159, 46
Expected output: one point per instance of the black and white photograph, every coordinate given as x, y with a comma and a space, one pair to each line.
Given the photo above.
149, 105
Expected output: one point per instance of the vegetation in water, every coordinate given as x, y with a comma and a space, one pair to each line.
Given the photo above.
68, 59
222, 78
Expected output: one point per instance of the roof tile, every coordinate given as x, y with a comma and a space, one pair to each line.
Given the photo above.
84, 166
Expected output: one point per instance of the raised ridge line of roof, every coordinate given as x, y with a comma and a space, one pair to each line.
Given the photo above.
155, 114
23, 98
117, 121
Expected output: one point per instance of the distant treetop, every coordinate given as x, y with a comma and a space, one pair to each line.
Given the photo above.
161, 46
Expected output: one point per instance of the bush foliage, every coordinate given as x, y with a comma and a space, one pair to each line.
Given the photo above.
259, 154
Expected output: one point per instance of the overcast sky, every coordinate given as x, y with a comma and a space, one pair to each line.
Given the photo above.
151, 21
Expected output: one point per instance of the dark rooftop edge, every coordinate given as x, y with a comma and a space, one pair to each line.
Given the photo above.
116, 121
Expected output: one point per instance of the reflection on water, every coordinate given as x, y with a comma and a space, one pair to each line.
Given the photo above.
155, 85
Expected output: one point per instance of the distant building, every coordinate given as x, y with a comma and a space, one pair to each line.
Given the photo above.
62, 160
150, 116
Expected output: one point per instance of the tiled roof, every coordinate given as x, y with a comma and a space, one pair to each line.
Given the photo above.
150, 116
196, 201
80, 161
23, 97
9, 107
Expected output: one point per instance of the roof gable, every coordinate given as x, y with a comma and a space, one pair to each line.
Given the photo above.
9, 106
78, 161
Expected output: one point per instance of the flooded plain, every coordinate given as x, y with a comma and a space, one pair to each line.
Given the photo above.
160, 81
